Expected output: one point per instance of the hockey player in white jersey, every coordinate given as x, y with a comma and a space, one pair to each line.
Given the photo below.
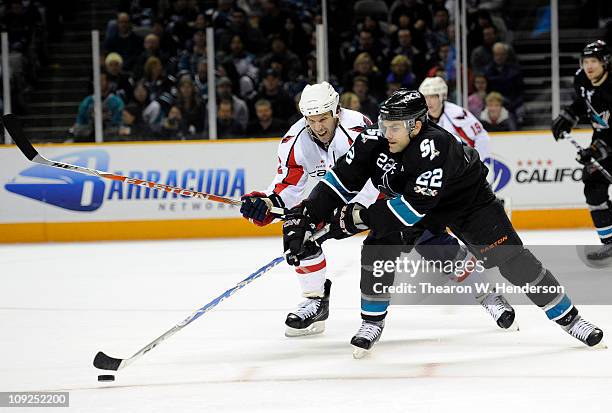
453, 118
310, 147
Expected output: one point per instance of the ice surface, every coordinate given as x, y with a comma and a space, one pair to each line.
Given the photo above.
61, 303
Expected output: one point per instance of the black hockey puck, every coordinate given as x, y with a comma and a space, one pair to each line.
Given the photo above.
106, 377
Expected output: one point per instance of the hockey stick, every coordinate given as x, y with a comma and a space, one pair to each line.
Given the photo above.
594, 162
13, 126
105, 362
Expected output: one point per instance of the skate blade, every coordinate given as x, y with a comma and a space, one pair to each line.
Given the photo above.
315, 328
600, 346
359, 353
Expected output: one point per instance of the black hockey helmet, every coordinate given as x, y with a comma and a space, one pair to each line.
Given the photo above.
598, 49
404, 104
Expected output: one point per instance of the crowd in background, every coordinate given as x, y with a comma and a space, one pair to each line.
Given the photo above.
154, 82
155, 65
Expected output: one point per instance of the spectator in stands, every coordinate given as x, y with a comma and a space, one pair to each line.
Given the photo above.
190, 57
156, 82
484, 20
200, 79
482, 55
406, 48
366, 43
295, 37
364, 66
227, 126
220, 15
112, 109
180, 14
271, 90
239, 25
126, 42
189, 103
167, 42
401, 72
495, 118
151, 49
133, 125
119, 82
438, 34
174, 125
142, 109
350, 100
506, 78
291, 64
266, 125
476, 101
22, 25
416, 12
240, 110
243, 64
369, 106
273, 18
441, 62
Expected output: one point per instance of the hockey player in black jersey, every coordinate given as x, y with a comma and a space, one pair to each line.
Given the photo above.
428, 178
593, 88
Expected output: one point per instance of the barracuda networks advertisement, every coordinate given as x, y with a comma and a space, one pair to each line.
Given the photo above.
532, 169
30, 191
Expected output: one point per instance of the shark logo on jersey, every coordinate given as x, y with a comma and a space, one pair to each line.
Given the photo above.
63, 188
599, 120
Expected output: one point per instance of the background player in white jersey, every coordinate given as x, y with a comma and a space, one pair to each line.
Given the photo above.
453, 118
310, 147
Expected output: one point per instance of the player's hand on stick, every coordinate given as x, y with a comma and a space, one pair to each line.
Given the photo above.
256, 207
297, 229
348, 220
598, 150
563, 123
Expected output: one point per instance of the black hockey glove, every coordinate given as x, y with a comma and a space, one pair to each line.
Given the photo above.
256, 207
598, 150
347, 221
563, 123
297, 229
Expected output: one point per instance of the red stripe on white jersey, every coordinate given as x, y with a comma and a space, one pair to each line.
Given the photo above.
464, 136
294, 172
311, 268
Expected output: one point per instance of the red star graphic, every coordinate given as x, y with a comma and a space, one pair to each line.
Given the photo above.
529, 163
520, 163
539, 162
549, 162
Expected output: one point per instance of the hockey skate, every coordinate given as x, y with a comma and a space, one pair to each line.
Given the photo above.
310, 316
601, 256
501, 311
369, 333
581, 329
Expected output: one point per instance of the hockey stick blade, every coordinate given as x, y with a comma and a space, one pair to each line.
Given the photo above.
104, 362
13, 126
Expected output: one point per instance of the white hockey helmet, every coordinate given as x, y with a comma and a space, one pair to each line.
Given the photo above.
434, 86
318, 99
